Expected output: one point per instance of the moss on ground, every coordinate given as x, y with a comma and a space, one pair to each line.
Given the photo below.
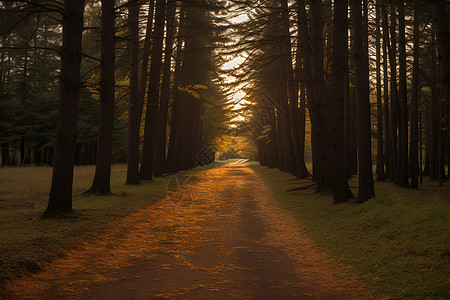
399, 242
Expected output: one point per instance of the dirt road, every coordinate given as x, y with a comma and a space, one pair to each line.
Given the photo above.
220, 236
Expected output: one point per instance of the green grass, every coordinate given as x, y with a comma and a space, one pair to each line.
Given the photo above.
398, 242
28, 242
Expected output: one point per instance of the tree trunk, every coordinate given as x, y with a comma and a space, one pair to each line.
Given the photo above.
420, 146
441, 155
292, 89
307, 67
160, 153
414, 140
134, 110
336, 163
328, 38
440, 23
380, 142
301, 86
276, 74
427, 160
101, 183
172, 159
387, 129
285, 122
319, 104
351, 158
188, 138
402, 166
394, 97
146, 56
60, 199
366, 187
435, 115
151, 113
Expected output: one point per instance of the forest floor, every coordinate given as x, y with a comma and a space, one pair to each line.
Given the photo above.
228, 232
220, 235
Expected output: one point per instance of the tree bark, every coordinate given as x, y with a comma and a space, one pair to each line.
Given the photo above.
402, 165
434, 115
146, 56
292, 89
160, 153
394, 97
414, 126
307, 67
188, 139
380, 142
387, 129
366, 188
336, 163
318, 112
440, 23
60, 200
101, 183
301, 85
351, 157
172, 160
151, 114
134, 104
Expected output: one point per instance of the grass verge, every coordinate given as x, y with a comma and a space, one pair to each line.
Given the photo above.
398, 242
28, 242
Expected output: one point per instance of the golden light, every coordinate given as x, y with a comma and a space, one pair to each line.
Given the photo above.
233, 63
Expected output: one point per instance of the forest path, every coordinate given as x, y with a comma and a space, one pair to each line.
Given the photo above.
220, 236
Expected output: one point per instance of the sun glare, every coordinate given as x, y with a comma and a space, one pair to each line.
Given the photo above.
239, 95
233, 63
239, 19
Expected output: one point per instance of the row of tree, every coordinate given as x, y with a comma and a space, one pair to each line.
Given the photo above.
365, 72
154, 58
29, 67
137, 77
